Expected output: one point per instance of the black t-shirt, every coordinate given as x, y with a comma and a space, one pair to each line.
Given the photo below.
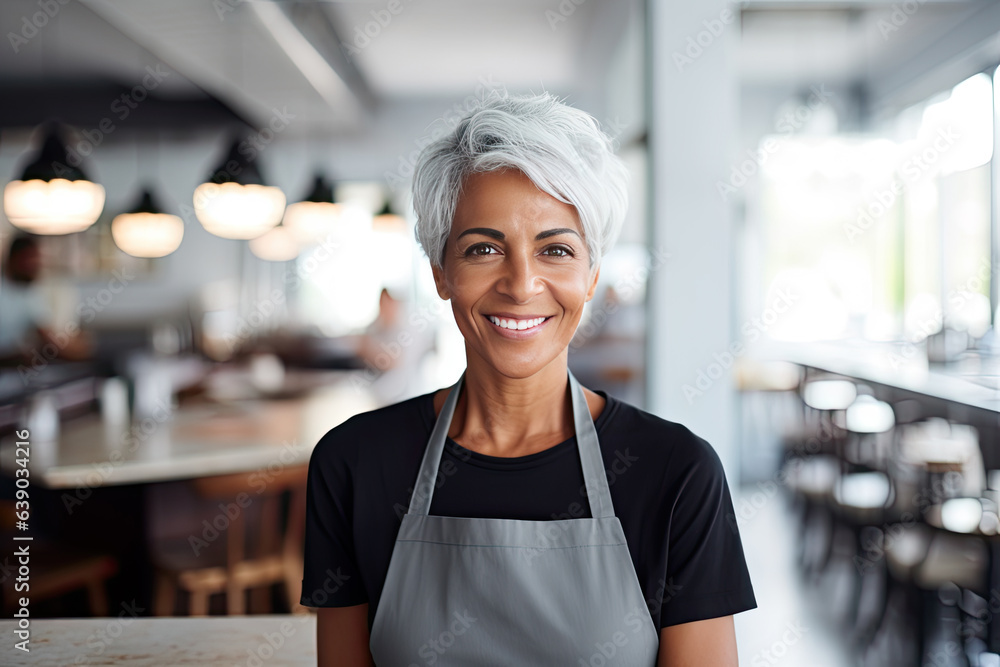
667, 485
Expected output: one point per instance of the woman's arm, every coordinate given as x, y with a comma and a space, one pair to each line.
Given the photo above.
709, 643
342, 637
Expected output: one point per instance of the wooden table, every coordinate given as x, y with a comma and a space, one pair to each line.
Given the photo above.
205, 438
147, 642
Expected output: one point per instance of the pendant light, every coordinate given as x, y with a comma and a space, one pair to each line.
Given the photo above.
53, 195
316, 216
235, 203
276, 245
147, 231
388, 220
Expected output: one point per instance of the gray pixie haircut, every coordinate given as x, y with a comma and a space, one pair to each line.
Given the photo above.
561, 149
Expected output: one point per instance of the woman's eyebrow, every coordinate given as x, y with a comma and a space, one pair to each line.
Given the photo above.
499, 236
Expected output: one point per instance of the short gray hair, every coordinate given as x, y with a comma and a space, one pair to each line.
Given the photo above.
561, 149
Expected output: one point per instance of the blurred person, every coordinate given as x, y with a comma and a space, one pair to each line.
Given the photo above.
393, 349
381, 331
608, 349
535, 521
26, 333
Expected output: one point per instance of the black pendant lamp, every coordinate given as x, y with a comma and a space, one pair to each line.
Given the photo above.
234, 202
146, 231
53, 195
317, 215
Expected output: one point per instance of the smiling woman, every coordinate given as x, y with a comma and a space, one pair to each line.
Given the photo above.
517, 258
517, 517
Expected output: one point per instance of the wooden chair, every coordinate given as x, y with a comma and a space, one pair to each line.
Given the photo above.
249, 555
54, 572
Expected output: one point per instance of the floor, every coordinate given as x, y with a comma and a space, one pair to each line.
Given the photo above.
789, 626
798, 623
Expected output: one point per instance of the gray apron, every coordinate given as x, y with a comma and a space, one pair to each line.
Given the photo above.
471, 591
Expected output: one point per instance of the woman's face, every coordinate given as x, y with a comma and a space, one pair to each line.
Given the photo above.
517, 254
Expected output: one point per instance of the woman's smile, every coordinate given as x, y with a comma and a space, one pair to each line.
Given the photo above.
520, 328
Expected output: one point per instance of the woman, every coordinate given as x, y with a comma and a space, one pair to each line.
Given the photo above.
517, 518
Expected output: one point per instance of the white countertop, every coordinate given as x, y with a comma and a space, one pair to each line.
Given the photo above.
974, 380
222, 641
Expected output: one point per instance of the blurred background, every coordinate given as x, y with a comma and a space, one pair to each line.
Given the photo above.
208, 261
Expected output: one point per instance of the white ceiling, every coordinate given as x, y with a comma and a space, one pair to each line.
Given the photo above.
443, 47
257, 56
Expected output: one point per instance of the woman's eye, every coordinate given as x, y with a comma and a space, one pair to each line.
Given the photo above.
561, 251
479, 249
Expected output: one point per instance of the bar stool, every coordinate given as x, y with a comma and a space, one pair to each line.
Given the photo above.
824, 402
939, 563
943, 460
939, 474
812, 467
862, 502
769, 405
869, 423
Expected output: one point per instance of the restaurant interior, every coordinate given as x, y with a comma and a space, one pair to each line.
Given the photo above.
207, 223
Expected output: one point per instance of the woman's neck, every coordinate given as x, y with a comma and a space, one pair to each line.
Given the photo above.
502, 416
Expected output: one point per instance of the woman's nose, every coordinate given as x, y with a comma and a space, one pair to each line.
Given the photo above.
521, 280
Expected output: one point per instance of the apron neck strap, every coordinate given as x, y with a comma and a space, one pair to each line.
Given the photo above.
594, 476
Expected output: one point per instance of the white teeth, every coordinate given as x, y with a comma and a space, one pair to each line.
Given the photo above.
516, 324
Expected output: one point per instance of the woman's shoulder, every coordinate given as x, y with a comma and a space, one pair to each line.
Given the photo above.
380, 426
657, 438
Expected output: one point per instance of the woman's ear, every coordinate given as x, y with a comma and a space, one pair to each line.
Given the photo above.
593, 284
439, 282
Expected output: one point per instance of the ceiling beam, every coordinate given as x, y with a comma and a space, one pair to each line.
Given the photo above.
934, 63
